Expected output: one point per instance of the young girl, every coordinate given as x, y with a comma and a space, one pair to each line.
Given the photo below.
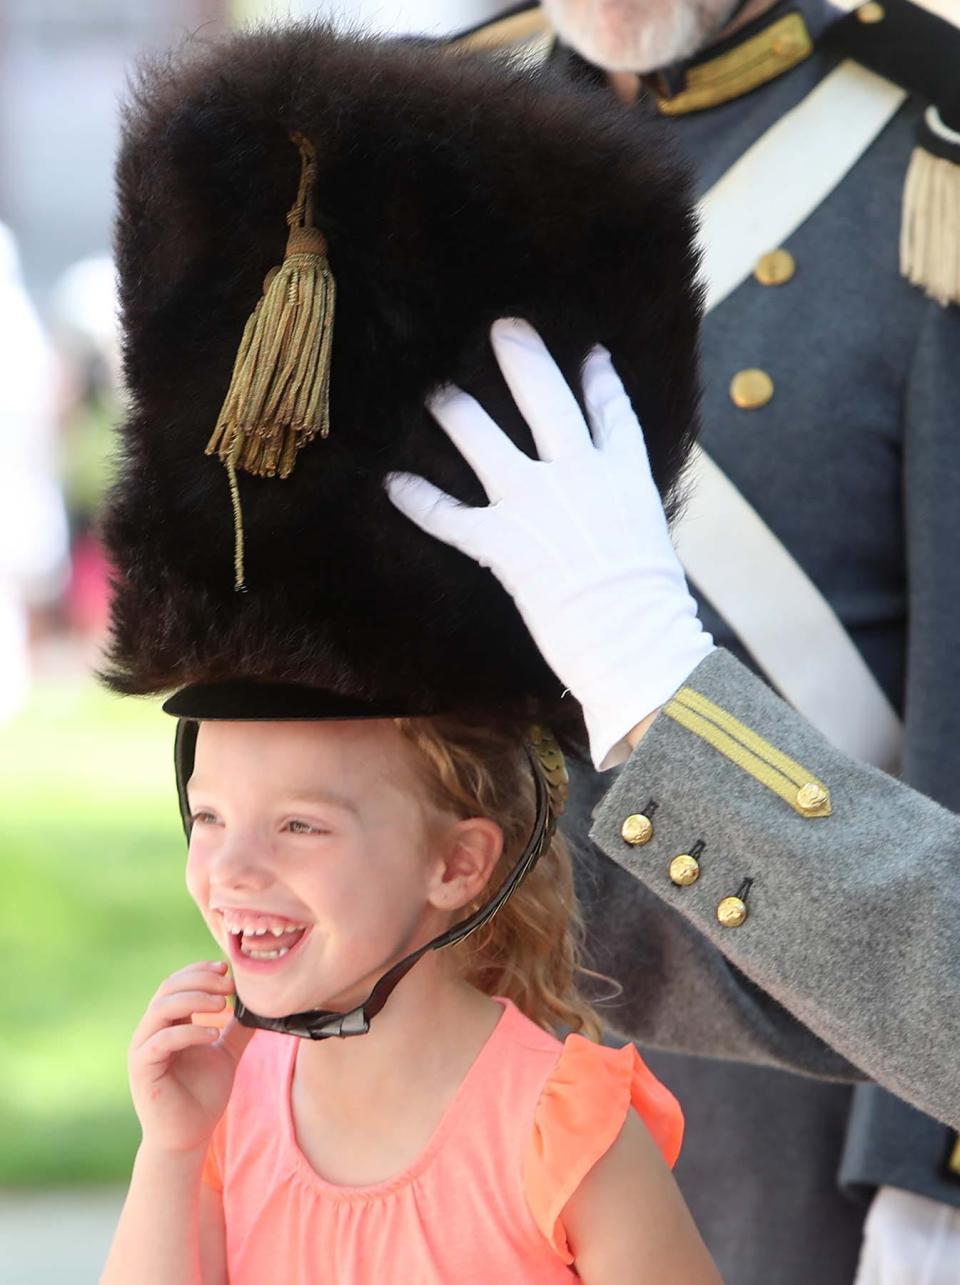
459, 1140
338, 823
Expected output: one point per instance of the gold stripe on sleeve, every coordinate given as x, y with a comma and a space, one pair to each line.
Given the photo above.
788, 779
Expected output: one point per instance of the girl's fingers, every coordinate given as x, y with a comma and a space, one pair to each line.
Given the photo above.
201, 965
197, 976
168, 1010
161, 1046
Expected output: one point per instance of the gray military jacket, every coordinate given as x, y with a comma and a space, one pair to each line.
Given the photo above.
853, 464
828, 884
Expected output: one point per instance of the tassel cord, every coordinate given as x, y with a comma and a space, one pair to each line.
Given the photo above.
279, 393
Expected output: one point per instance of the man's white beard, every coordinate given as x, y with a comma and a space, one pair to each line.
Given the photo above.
637, 35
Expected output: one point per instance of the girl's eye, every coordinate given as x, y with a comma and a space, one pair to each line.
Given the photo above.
202, 818
303, 827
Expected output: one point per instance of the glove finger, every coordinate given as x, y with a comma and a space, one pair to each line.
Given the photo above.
435, 512
540, 391
481, 442
613, 422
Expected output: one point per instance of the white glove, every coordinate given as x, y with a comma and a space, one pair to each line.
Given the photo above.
910, 1240
578, 537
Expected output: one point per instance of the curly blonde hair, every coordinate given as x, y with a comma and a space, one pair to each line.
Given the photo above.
531, 950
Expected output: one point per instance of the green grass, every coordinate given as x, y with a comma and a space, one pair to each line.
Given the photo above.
93, 914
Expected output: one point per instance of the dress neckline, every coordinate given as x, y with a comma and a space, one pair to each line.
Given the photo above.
471, 1083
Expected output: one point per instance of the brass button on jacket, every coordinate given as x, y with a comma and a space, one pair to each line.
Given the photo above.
811, 797
871, 12
684, 870
637, 829
751, 389
732, 912
775, 268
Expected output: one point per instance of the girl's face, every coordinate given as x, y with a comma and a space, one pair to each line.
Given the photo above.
319, 832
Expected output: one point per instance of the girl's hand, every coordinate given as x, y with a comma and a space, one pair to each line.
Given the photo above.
181, 1074
578, 537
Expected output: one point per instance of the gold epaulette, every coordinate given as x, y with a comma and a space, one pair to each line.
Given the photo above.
919, 50
526, 33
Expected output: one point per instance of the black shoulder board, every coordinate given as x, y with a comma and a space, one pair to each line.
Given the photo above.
920, 52
909, 45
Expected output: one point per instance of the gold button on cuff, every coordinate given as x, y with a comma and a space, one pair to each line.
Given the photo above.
751, 389
637, 830
775, 268
732, 912
684, 870
811, 797
871, 12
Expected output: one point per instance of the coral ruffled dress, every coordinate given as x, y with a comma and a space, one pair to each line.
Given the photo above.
484, 1200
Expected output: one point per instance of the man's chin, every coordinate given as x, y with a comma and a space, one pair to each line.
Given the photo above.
637, 35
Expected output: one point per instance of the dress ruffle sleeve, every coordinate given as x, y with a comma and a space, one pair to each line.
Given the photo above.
581, 1111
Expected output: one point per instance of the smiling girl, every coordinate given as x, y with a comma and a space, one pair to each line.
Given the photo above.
459, 1139
409, 1089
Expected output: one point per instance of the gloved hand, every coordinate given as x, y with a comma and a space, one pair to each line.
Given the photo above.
578, 537
909, 1240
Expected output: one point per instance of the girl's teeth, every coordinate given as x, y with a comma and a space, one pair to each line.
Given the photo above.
277, 930
265, 954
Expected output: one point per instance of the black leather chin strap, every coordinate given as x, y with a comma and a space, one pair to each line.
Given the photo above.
322, 1024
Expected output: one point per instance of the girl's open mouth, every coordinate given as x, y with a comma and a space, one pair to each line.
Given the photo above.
263, 952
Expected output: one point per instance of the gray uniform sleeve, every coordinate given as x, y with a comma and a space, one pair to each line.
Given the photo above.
837, 883
677, 992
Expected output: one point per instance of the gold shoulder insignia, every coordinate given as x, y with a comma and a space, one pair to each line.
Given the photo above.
919, 50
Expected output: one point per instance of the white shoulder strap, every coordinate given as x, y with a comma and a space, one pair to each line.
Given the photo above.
728, 551
778, 183
782, 618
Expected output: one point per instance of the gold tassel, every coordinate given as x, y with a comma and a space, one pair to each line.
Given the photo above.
279, 394
930, 230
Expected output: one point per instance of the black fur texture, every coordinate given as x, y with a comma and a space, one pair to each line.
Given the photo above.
452, 191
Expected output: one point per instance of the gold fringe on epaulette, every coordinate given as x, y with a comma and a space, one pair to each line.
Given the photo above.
930, 229
279, 394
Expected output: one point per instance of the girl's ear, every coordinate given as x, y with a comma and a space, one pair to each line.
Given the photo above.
468, 855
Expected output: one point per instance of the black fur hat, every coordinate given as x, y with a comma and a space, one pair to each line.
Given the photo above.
450, 191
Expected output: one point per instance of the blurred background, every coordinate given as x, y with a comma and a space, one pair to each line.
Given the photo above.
93, 911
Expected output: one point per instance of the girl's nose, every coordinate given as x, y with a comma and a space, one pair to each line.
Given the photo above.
240, 863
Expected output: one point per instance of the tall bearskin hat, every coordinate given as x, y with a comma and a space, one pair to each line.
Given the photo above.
427, 192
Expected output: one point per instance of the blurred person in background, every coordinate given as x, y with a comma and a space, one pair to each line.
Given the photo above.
84, 324
821, 540
33, 534
85, 331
